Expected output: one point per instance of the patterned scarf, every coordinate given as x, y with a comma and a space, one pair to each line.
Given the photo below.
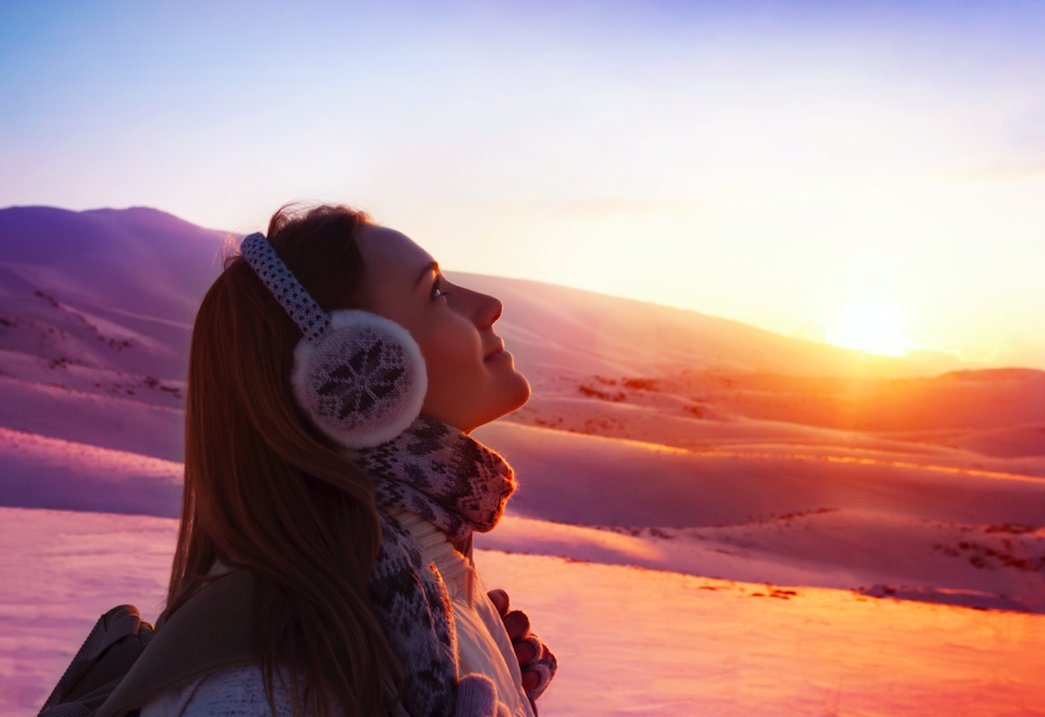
445, 476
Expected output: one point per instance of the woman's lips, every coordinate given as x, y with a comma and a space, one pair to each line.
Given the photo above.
494, 354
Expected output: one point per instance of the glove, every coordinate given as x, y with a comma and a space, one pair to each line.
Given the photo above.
536, 662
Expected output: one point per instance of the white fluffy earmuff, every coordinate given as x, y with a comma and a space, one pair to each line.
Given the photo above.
359, 376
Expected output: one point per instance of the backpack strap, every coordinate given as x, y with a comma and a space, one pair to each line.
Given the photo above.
117, 639
211, 630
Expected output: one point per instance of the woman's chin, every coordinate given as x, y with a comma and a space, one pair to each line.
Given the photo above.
506, 393
518, 390
515, 398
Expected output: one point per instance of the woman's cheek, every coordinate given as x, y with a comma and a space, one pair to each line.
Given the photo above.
451, 358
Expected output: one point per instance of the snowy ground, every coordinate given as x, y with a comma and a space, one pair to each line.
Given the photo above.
630, 641
641, 642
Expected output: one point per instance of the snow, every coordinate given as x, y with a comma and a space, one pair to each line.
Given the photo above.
629, 641
641, 642
54, 473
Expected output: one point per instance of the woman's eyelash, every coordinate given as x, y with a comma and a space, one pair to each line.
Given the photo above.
435, 285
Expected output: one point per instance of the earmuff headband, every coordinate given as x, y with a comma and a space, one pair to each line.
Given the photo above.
289, 292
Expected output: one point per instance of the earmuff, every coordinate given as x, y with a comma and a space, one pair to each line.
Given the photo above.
359, 376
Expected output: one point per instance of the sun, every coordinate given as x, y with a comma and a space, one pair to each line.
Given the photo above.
869, 322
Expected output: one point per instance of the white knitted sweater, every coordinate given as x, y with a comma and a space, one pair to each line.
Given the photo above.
482, 642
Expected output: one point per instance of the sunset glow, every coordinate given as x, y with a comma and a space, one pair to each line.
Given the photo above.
871, 323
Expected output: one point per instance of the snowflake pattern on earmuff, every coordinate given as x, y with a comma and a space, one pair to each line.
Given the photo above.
364, 378
362, 369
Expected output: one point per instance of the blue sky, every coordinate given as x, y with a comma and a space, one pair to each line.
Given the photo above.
865, 173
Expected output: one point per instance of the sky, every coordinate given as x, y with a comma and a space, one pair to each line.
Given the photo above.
871, 174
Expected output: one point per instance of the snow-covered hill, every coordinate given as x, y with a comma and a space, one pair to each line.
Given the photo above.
711, 518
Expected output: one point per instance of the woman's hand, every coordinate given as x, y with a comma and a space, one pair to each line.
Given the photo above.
536, 661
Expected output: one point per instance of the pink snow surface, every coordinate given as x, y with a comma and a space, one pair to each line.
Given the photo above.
629, 641
643, 642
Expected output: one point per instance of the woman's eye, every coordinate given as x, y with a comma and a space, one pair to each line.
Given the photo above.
435, 287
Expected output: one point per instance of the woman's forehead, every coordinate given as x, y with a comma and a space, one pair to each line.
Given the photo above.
391, 253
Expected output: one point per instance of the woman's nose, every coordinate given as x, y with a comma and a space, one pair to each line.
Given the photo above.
483, 308
488, 311
495, 310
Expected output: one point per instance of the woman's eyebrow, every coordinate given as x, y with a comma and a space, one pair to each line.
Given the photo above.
425, 270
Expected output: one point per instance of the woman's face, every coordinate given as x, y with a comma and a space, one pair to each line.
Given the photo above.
452, 325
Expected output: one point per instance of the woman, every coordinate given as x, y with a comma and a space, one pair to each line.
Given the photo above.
334, 377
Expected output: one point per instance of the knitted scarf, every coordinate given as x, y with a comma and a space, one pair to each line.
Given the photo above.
445, 476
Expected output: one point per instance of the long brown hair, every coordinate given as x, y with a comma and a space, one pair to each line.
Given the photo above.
267, 492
